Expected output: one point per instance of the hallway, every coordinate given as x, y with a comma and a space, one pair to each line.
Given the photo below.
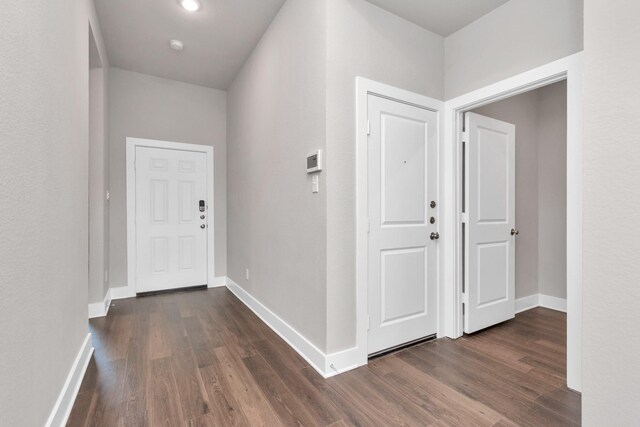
203, 359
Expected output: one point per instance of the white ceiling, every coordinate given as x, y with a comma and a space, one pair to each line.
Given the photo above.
220, 37
217, 39
443, 17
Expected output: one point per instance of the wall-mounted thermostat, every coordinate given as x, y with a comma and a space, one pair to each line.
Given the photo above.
314, 162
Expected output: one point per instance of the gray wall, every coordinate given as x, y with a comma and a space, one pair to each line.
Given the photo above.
540, 118
552, 190
277, 227
98, 184
98, 162
611, 240
516, 37
43, 202
362, 40
143, 106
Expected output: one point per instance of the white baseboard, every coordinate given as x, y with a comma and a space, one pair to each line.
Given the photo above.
527, 303
218, 282
553, 303
62, 408
541, 300
121, 292
342, 361
100, 309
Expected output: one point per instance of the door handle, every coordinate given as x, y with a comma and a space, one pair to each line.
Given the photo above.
434, 236
202, 226
514, 232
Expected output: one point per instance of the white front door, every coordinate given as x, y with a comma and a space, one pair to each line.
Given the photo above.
171, 235
402, 182
490, 236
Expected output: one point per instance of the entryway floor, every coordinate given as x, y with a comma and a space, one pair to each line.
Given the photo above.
203, 359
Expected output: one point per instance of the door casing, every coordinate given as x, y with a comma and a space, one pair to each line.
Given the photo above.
451, 320
132, 144
364, 88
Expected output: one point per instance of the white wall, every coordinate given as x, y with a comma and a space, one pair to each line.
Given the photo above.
516, 37
540, 117
611, 240
362, 40
143, 106
277, 227
43, 202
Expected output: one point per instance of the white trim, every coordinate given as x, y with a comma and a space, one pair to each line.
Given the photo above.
571, 69
62, 408
218, 282
527, 303
341, 361
121, 292
541, 300
100, 309
553, 303
132, 144
365, 87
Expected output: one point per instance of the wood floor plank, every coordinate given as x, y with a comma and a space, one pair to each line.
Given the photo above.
191, 390
280, 360
164, 400
225, 409
446, 403
290, 410
254, 404
204, 359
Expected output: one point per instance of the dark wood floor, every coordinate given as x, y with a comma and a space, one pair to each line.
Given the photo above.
203, 359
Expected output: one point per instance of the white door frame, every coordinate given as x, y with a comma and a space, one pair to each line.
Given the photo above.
132, 144
364, 88
571, 70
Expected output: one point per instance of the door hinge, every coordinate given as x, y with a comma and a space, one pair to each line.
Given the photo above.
463, 136
368, 226
368, 127
465, 298
368, 322
464, 217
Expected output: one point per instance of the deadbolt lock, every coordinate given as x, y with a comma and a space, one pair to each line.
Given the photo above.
432, 220
433, 204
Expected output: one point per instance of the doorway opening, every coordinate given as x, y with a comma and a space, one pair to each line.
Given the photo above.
514, 235
494, 164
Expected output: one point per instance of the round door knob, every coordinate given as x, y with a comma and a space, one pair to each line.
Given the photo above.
435, 235
202, 226
514, 232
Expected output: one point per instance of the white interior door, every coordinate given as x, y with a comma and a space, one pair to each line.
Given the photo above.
489, 239
171, 234
402, 168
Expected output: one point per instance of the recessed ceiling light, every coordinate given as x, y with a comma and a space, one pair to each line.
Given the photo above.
176, 45
191, 5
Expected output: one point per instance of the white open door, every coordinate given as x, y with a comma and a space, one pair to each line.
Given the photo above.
171, 219
490, 230
402, 182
